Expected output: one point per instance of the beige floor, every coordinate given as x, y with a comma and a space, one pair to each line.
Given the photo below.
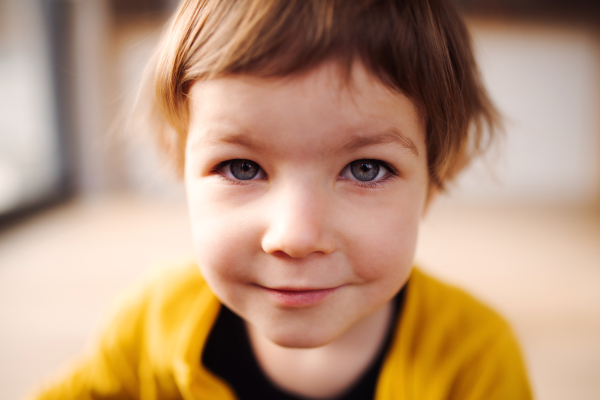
539, 267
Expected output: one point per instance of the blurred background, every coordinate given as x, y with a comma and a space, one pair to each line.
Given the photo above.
85, 208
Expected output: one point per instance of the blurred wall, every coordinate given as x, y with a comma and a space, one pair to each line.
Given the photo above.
544, 77
114, 40
29, 151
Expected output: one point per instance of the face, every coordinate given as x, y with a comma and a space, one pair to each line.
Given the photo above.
305, 197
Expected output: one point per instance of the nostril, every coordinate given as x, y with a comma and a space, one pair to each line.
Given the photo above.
280, 254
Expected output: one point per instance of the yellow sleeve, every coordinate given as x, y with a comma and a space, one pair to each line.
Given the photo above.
109, 367
495, 371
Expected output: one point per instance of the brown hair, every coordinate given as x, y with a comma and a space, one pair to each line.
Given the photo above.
419, 47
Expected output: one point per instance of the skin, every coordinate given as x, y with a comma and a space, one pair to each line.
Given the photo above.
305, 221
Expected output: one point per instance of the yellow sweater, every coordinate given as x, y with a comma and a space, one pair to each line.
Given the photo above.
447, 346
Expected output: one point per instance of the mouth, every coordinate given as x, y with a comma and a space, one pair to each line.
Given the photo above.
290, 297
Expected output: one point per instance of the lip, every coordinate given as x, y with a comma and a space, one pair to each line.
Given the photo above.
291, 297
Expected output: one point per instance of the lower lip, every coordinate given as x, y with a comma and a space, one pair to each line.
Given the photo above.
305, 298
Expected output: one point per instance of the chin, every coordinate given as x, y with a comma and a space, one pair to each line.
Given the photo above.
301, 338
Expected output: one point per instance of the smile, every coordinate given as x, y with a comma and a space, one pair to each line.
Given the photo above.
299, 298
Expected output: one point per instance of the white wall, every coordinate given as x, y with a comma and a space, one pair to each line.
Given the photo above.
545, 80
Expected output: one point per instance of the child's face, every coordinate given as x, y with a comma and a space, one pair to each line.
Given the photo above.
305, 198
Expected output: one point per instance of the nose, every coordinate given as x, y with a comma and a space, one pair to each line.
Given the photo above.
298, 224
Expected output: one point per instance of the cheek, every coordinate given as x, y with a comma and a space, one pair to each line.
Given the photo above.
389, 255
225, 240
382, 242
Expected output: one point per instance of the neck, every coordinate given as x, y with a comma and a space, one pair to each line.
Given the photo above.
330, 369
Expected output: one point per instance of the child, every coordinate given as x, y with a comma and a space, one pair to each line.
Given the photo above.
312, 135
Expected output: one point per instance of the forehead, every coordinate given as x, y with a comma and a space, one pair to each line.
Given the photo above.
321, 107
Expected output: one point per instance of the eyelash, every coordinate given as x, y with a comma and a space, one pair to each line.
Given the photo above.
374, 184
392, 173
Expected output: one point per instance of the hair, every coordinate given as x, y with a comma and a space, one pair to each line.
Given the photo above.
420, 48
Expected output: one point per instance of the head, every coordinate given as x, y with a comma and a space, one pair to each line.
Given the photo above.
311, 135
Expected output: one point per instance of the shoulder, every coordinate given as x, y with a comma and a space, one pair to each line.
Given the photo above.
449, 323
440, 304
174, 285
155, 324
170, 288
161, 304
150, 322
147, 330
450, 345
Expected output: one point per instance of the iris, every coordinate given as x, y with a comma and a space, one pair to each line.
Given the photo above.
244, 169
364, 170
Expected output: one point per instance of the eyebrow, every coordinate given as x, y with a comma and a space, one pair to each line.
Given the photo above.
241, 139
238, 138
391, 135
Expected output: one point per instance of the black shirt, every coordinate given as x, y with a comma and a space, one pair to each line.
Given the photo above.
228, 354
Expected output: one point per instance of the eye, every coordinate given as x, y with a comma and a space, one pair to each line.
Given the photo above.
365, 170
242, 170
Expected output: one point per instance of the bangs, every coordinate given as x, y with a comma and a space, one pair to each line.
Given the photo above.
269, 38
